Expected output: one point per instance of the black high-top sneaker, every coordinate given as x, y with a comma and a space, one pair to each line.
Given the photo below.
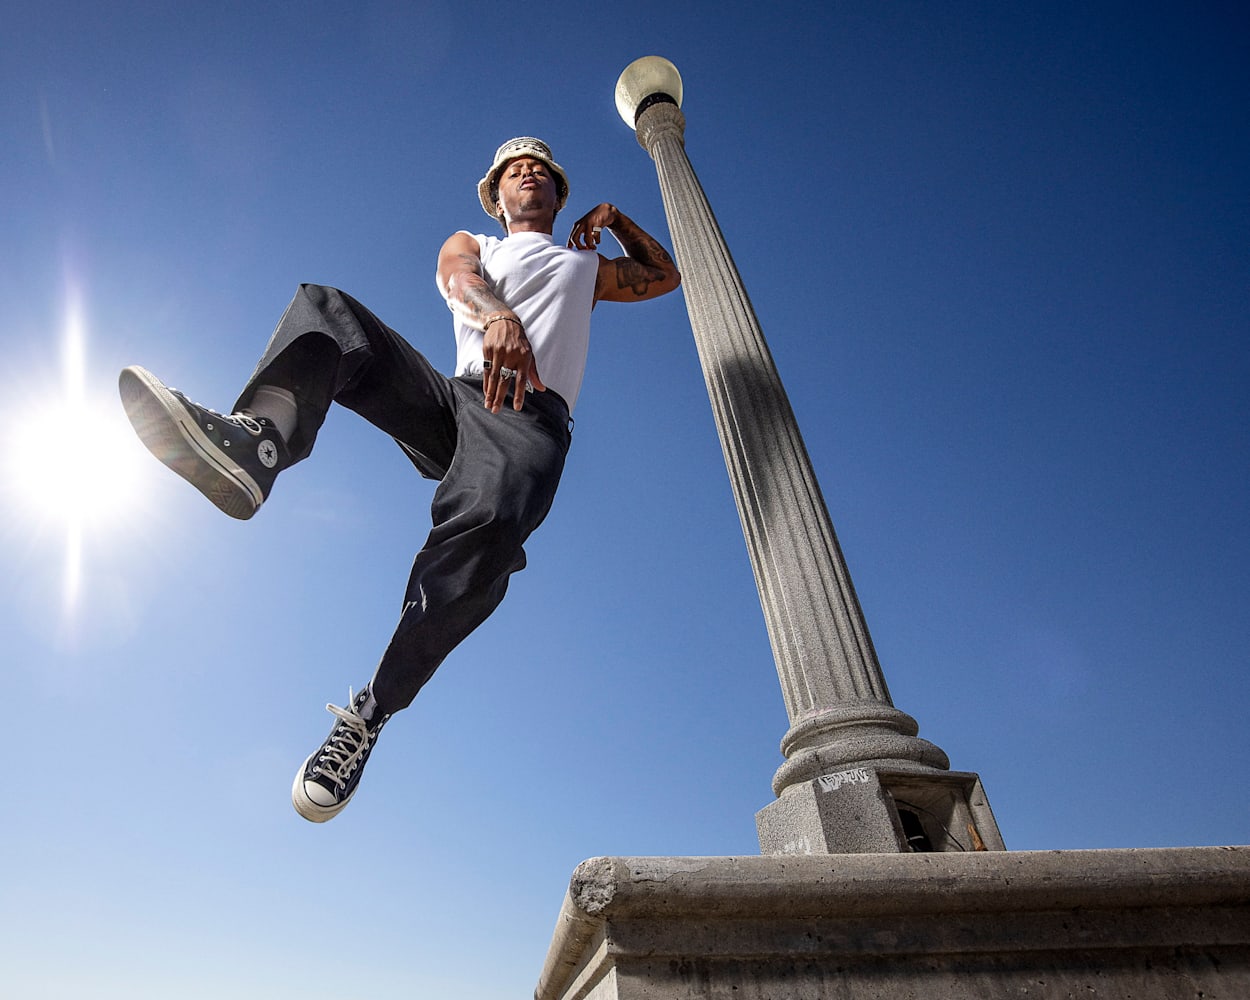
328, 779
233, 460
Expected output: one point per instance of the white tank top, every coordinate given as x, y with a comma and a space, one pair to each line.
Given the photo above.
552, 290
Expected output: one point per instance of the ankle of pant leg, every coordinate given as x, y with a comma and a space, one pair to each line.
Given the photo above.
369, 709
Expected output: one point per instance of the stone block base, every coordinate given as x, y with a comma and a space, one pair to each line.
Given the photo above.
880, 810
1140, 924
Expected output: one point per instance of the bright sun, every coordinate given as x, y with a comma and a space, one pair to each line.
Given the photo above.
71, 462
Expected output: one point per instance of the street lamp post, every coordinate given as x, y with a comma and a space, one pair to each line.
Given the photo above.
856, 776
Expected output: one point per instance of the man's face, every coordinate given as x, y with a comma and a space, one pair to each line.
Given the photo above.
527, 189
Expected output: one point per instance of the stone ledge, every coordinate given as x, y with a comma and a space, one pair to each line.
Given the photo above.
955, 924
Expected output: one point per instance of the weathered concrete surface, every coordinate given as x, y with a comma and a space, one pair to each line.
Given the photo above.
1140, 924
857, 811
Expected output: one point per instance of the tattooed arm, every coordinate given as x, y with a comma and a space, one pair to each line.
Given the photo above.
460, 280
470, 297
647, 270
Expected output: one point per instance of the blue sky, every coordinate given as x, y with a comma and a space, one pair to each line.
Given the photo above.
1000, 253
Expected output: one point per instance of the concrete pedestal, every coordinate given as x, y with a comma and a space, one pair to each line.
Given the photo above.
1140, 924
875, 810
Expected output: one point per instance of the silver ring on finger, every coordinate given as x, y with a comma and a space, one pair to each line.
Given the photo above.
485, 366
506, 373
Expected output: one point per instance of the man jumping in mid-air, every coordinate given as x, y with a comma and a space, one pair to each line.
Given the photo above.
495, 435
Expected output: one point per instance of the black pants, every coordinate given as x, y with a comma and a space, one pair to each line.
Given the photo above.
498, 472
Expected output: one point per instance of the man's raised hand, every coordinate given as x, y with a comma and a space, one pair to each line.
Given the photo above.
588, 230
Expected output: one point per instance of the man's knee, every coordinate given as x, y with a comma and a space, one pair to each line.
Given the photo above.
503, 533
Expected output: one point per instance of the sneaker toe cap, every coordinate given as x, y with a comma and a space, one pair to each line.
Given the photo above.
318, 793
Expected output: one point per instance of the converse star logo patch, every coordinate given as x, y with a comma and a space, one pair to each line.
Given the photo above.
267, 452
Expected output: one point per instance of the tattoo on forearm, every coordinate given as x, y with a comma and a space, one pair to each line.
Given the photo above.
640, 245
647, 263
473, 298
478, 301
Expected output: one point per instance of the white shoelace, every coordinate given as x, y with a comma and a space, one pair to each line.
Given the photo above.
346, 745
248, 423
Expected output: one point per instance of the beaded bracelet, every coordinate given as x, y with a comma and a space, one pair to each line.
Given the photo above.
498, 316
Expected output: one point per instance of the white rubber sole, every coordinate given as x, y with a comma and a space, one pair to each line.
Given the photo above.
169, 432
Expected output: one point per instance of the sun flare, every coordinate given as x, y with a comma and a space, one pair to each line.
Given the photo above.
70, 462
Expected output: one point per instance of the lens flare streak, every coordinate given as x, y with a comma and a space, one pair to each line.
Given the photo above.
70, 460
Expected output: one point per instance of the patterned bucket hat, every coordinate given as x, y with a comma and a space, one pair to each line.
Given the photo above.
514, 149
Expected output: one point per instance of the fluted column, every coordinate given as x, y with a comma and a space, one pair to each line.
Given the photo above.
835, 693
